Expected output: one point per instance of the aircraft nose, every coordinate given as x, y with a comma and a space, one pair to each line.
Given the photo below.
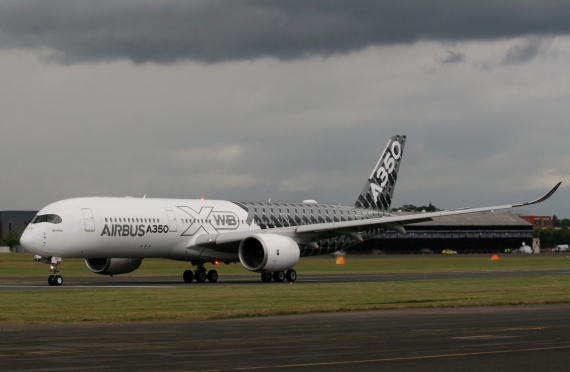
27, 240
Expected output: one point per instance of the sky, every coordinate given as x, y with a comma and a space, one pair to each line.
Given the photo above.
288, 100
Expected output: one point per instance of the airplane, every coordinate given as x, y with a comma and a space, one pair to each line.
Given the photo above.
115, 234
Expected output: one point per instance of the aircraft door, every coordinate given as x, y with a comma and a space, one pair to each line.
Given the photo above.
88, 219
171, 220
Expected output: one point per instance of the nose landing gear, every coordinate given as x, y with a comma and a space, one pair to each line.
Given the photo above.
56, 278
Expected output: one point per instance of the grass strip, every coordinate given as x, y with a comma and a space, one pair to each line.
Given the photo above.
23, 265
196, 302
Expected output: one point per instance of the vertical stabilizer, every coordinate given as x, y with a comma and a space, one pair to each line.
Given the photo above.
378, 191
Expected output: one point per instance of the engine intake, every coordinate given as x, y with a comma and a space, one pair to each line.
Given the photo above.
113, 266
264, 253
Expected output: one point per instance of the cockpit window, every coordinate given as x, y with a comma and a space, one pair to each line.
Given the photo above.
50, 218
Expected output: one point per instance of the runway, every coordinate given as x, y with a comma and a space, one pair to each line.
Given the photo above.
521, 338
40, 283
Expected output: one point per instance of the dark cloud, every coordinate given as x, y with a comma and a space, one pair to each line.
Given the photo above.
452, 58
214, 31
524, 51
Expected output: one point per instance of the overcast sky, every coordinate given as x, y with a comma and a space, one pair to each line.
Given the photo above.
288, 100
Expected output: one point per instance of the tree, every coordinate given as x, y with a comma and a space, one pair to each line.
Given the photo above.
553, 237
413, 208
536, 232
11, 239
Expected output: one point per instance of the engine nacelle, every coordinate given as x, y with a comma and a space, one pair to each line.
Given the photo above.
112, 266
266, 253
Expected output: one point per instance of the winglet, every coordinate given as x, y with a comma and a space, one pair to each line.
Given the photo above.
548, 195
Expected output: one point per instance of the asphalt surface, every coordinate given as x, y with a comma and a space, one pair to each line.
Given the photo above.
518, 338
39, 283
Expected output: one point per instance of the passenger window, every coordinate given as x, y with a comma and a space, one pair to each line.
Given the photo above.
105, 219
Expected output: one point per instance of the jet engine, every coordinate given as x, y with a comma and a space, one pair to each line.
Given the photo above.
112, 266
266, 253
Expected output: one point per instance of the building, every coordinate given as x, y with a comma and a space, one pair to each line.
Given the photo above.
468, 233
543, 222
15, 220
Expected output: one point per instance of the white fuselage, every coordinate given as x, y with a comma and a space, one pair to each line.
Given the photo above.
101, 227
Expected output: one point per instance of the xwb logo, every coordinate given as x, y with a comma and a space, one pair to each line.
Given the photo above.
209, 221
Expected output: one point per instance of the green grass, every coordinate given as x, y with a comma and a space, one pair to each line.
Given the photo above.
198, 302
23, 265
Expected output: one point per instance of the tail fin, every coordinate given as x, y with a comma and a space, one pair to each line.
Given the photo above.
378, 191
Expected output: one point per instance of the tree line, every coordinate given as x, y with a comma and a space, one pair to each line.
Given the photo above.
11, 239
552, 237
557, 222
413, 208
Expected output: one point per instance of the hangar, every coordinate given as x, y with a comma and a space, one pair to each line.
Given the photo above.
469, 233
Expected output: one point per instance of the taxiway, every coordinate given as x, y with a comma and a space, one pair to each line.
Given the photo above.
40, 283
515, 338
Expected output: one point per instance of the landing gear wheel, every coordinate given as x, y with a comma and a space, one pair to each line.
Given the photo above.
57, 280
188, 276
200, 276
212, 276
266, 277
291, 275
279, 276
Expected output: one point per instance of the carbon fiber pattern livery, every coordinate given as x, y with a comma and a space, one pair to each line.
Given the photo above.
379, 189
274, 215
373, 202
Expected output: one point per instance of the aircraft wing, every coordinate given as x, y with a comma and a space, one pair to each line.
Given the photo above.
351, 228
372, 223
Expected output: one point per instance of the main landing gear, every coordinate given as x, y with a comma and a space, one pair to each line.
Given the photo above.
55, 279
200, 275
280, 276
